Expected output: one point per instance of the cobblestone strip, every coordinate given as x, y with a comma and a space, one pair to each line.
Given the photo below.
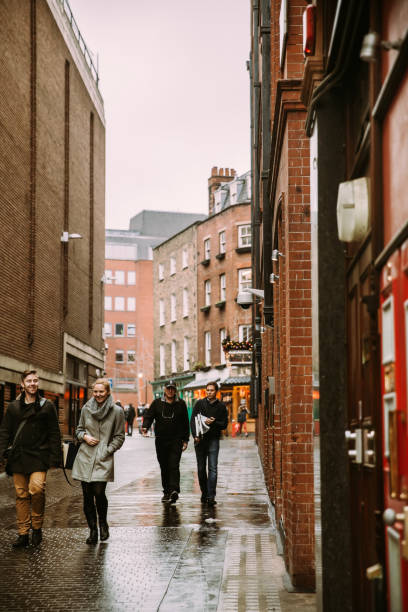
252, 573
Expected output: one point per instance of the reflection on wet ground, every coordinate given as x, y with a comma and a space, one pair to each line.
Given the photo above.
159, 557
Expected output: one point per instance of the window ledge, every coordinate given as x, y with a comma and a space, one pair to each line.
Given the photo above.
205, 262
220, 256
205, 308
206, 368
220, 304
185, 316
244, 249
220, 366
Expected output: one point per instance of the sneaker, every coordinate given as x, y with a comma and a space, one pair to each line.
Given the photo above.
22, 541
173, 497
211, 501
166, 498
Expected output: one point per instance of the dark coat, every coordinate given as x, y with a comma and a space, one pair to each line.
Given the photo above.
171, 420
217, 410
130, 415
38, 446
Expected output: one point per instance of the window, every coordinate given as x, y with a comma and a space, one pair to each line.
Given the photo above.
119, 277
119, 303
131, 304
207, 346
172, 265
244, 235
207, 248
162, 360
131, 329
119, 356
131, 356
161, 271
244, 279
161, 313
185, 302
173, 356
186, 360
223, 288
131, 277
119, 329
207, 291
108, 277
222, 242
244, 333
223, 335
108, 302
173, 307
185, 259
107, 330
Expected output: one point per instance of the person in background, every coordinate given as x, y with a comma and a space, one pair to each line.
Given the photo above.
207, 445
170, 416
130, 417
242, 420
101, 432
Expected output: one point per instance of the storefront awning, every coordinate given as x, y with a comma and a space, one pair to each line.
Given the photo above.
237, 380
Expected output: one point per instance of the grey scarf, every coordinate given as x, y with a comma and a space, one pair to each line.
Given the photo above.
99, 412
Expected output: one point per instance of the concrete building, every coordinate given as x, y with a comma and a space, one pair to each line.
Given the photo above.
52, 156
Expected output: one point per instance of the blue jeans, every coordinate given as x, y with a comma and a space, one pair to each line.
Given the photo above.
207, 449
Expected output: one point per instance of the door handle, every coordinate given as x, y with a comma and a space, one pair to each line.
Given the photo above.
390, 517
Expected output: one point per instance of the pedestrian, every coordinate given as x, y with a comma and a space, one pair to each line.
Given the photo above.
30, 427
214, 416
101, 432
170, 416
130, 417
242, 420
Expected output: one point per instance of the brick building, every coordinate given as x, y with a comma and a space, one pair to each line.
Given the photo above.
129, 305
52, 156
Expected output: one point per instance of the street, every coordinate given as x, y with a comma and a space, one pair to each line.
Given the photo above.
158, 557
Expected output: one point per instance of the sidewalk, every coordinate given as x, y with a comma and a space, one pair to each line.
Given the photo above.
167, 558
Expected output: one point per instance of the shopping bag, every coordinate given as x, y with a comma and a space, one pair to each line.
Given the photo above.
69, 450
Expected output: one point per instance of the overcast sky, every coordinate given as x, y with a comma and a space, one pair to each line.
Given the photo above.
176, 92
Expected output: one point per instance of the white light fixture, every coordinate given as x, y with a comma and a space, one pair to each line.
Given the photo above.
67, 236
273, 278
276, 254
353, 209
371, 44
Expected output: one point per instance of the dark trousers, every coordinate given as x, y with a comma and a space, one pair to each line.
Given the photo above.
95, 501
168, 455
130, 427
207, 451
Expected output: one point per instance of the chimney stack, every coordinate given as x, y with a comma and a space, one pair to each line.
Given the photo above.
218, 177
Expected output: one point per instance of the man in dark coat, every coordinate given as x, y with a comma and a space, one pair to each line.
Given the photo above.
172, 433
130, 417
36, 446
211, 417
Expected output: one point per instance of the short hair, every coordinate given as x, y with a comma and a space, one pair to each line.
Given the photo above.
103, 381
27, 373
212, 384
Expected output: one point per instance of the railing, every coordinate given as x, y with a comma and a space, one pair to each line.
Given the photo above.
76, 31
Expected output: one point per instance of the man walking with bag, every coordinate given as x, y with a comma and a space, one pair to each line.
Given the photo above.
31, 434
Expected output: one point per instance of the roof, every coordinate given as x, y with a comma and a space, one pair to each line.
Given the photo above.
237, 380
162, 223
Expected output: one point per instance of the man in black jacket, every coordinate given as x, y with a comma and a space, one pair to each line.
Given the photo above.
214, 416
36, 446
172, 434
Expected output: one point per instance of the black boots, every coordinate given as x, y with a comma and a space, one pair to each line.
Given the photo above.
37, 537
93, 535
90, 514
103, 530
22, 541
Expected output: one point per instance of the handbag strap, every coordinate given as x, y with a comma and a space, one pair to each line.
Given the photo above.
20, 427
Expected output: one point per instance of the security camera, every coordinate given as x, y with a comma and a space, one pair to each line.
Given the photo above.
245, 299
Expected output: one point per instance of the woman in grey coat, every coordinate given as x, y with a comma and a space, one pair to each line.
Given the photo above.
101, 432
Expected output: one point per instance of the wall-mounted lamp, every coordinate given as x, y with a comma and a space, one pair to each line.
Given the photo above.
273, 278
371, 44
276, 254
65, 236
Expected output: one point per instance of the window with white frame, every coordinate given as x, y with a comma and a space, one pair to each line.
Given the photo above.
131, 277
131, 356
108, 302
119, 277
107, 329
244, 279
108, 277
173, 356
244, 235
186, 354
223, 288
172, 264
119, 356
244, 333
223, 336
131, 304
161, 313
185, 302
207, 248
119, 303
184, 258
162, 354
119, 329
173, 307
223, 241
161, 271
207, 347
131, 329
207, 292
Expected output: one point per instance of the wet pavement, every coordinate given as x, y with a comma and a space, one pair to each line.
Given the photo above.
158, 557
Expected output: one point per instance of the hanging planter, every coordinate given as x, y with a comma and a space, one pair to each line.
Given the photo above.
233, 345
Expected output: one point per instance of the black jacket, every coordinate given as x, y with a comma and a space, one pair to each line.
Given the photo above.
171, 420
130, 415
38, 446
217, 410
